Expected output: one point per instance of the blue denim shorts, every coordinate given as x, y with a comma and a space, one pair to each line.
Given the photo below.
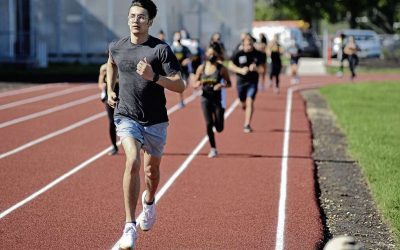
247, 90
153, 138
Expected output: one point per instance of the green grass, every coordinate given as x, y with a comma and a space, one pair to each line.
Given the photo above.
369, 114
362, 69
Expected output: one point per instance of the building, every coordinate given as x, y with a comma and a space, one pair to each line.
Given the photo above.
37, 31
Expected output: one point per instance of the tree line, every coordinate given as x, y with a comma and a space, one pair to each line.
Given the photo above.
379, 15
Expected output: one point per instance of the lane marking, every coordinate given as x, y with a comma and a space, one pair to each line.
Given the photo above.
79, 124
182, 167
280, 231
49, 111
29, 89
53, 134
45, 96
71, 172
54, 183
189, 99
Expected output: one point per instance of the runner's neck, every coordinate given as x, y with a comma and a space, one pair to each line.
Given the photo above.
140, 39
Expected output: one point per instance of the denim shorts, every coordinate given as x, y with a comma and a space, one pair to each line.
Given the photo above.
153, 138
246, 90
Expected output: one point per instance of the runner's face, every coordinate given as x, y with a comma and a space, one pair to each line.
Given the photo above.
247, 46
209, 52
138, 20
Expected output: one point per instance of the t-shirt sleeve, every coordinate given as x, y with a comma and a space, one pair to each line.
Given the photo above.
169, 61
235, 58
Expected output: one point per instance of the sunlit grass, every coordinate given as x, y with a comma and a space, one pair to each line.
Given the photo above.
369, 114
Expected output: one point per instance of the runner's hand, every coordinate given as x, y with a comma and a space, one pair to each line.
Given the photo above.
144, 69
196, 84
245, 70
217, 87
102, 86
253, 67
112, 99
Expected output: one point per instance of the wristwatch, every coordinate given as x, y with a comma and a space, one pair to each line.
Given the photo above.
156, 77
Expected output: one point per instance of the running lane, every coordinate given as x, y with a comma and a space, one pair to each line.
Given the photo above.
90, 213
230, 202
21, 173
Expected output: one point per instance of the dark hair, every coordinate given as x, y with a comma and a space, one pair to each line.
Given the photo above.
146, 4
216, 47
263, 39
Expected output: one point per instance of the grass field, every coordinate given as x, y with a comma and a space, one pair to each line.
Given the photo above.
369, 114
362, 69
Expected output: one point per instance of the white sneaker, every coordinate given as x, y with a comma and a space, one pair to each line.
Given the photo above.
128, 238
148, 217
247, 129
213, 153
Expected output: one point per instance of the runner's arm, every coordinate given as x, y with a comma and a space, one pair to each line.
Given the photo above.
111, 74
102, 73
225, 75
238, 70
173, 82
197, 81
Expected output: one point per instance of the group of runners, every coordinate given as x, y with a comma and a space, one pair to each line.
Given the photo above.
140, 67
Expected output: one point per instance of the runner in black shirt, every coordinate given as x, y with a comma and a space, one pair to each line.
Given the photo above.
102, 84
246, 63
212, 76
183, 55
274, 51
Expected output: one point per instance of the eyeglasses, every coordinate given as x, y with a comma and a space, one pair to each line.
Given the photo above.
139, 18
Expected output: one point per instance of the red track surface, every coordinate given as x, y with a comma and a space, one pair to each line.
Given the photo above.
230, 202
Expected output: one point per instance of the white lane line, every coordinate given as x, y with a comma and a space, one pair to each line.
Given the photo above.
53, 183
65, 176
29, 89
280, 231
54, 134
186, 101
46, 96
182, 167
49, 111
185, 164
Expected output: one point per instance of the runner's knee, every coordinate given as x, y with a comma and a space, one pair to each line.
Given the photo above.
219, 128
132, 164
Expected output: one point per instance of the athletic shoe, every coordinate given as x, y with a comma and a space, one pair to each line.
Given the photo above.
247, 129
113, 151
148, 217
128, 238
213, 153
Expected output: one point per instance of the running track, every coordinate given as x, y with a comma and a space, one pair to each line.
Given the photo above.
59, 189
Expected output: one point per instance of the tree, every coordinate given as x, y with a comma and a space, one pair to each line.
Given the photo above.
375, 14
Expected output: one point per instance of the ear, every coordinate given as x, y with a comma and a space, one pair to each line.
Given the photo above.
151, 22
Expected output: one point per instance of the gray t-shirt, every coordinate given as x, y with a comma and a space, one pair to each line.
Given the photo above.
141, 100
